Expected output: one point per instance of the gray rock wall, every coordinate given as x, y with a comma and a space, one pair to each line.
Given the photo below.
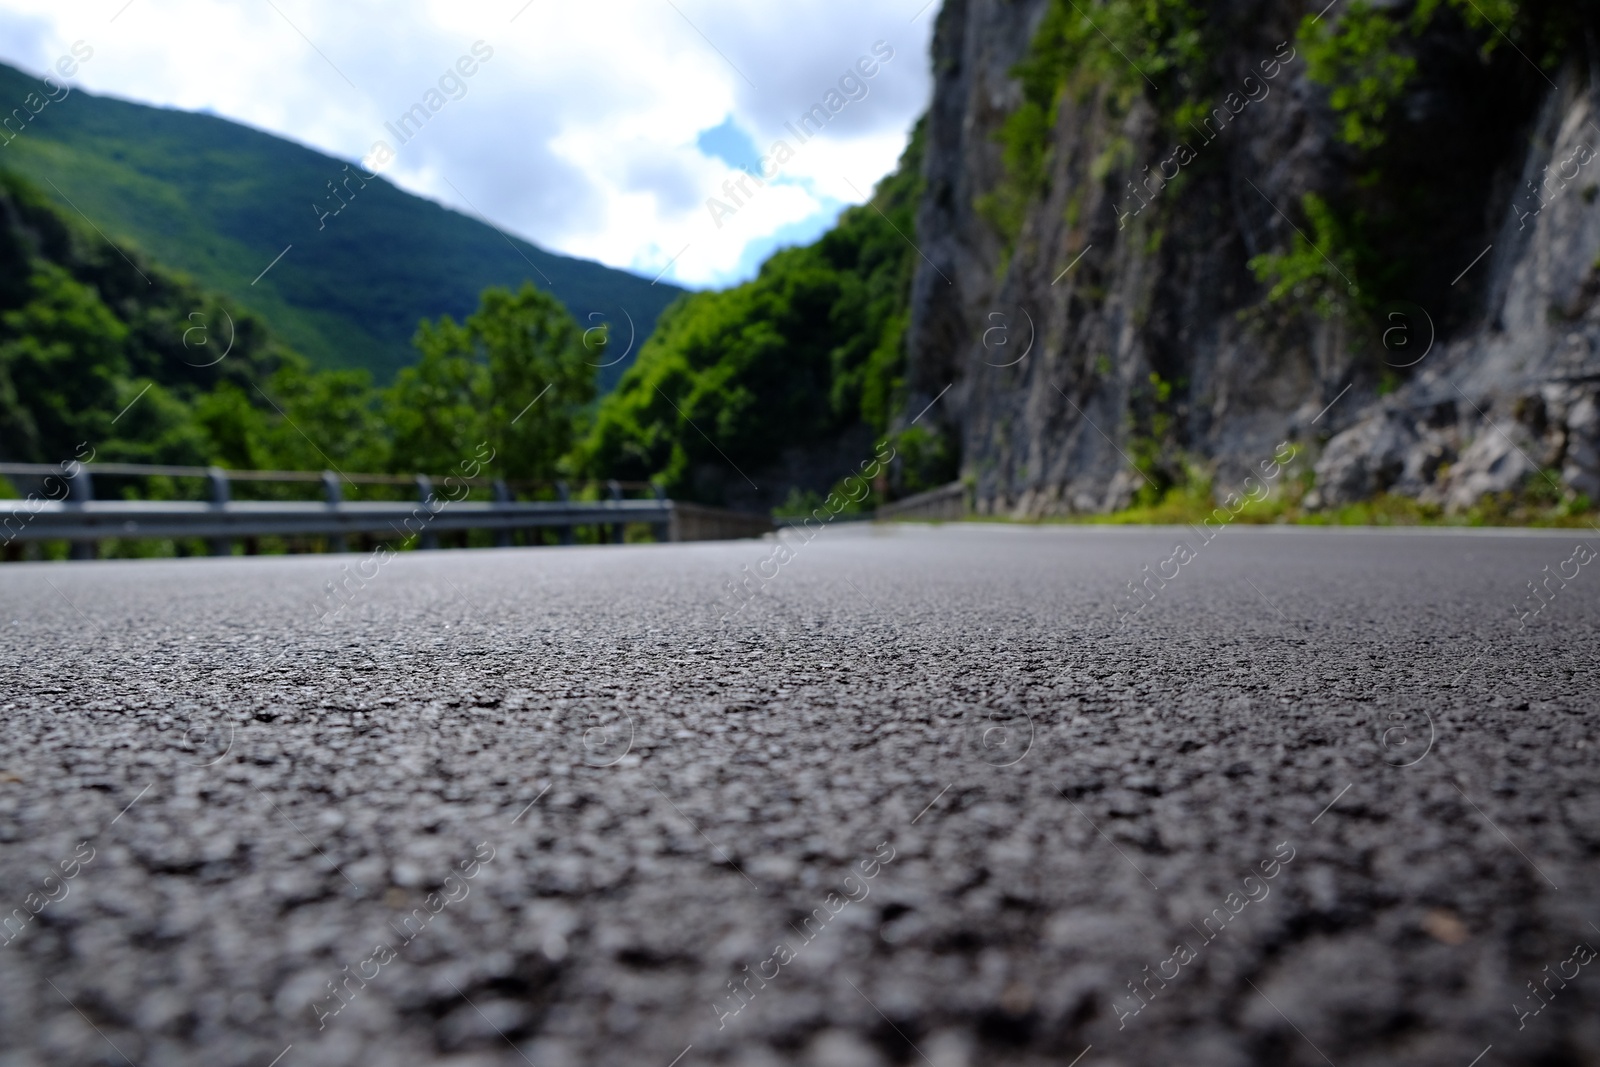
1517, 394
1048, 347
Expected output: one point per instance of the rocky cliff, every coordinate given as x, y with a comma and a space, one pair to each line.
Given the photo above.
1156, 245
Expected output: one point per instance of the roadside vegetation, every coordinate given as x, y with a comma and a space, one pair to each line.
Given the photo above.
1536, 503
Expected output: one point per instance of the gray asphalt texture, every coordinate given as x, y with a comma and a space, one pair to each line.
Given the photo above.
546, 805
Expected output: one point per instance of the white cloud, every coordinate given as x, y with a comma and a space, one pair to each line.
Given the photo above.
579, 133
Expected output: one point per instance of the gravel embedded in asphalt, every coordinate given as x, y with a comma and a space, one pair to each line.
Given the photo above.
1327, 798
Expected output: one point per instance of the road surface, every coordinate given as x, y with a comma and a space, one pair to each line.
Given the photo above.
1329, 797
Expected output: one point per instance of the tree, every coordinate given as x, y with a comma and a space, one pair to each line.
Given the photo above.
517, 374
61, 365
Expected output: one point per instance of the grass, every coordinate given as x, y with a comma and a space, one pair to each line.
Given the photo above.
1537, 505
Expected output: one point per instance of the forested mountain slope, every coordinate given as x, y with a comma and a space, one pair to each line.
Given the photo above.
220, 201
117, 357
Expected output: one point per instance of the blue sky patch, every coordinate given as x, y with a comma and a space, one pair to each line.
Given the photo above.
730, 144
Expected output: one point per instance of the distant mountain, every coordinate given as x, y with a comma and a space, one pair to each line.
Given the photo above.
220, 201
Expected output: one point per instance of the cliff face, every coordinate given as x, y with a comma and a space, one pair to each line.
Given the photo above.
1517, 392
1124, 334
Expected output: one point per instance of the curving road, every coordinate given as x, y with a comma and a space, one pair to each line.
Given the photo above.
1327, 798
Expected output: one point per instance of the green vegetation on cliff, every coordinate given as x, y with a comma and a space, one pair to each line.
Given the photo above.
1390, 231
1120, 48
1388, 226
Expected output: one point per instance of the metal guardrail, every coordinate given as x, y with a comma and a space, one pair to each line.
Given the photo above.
142, 470
71, 513
947, 503
98, 519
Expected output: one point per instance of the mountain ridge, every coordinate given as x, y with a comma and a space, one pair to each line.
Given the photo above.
219, 200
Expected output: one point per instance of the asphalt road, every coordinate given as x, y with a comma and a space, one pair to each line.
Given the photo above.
1324, 800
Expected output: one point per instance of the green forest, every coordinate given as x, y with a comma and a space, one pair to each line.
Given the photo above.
103, 349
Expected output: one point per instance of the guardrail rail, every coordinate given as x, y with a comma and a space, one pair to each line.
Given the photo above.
947, 503
69, 511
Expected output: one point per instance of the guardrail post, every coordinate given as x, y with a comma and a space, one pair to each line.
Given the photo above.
333, 495
80, 490
427, 539
502, 495
661, 531
614, 492
564, 495
218, 479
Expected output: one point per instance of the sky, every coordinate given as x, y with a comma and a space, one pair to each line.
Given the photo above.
602, 128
